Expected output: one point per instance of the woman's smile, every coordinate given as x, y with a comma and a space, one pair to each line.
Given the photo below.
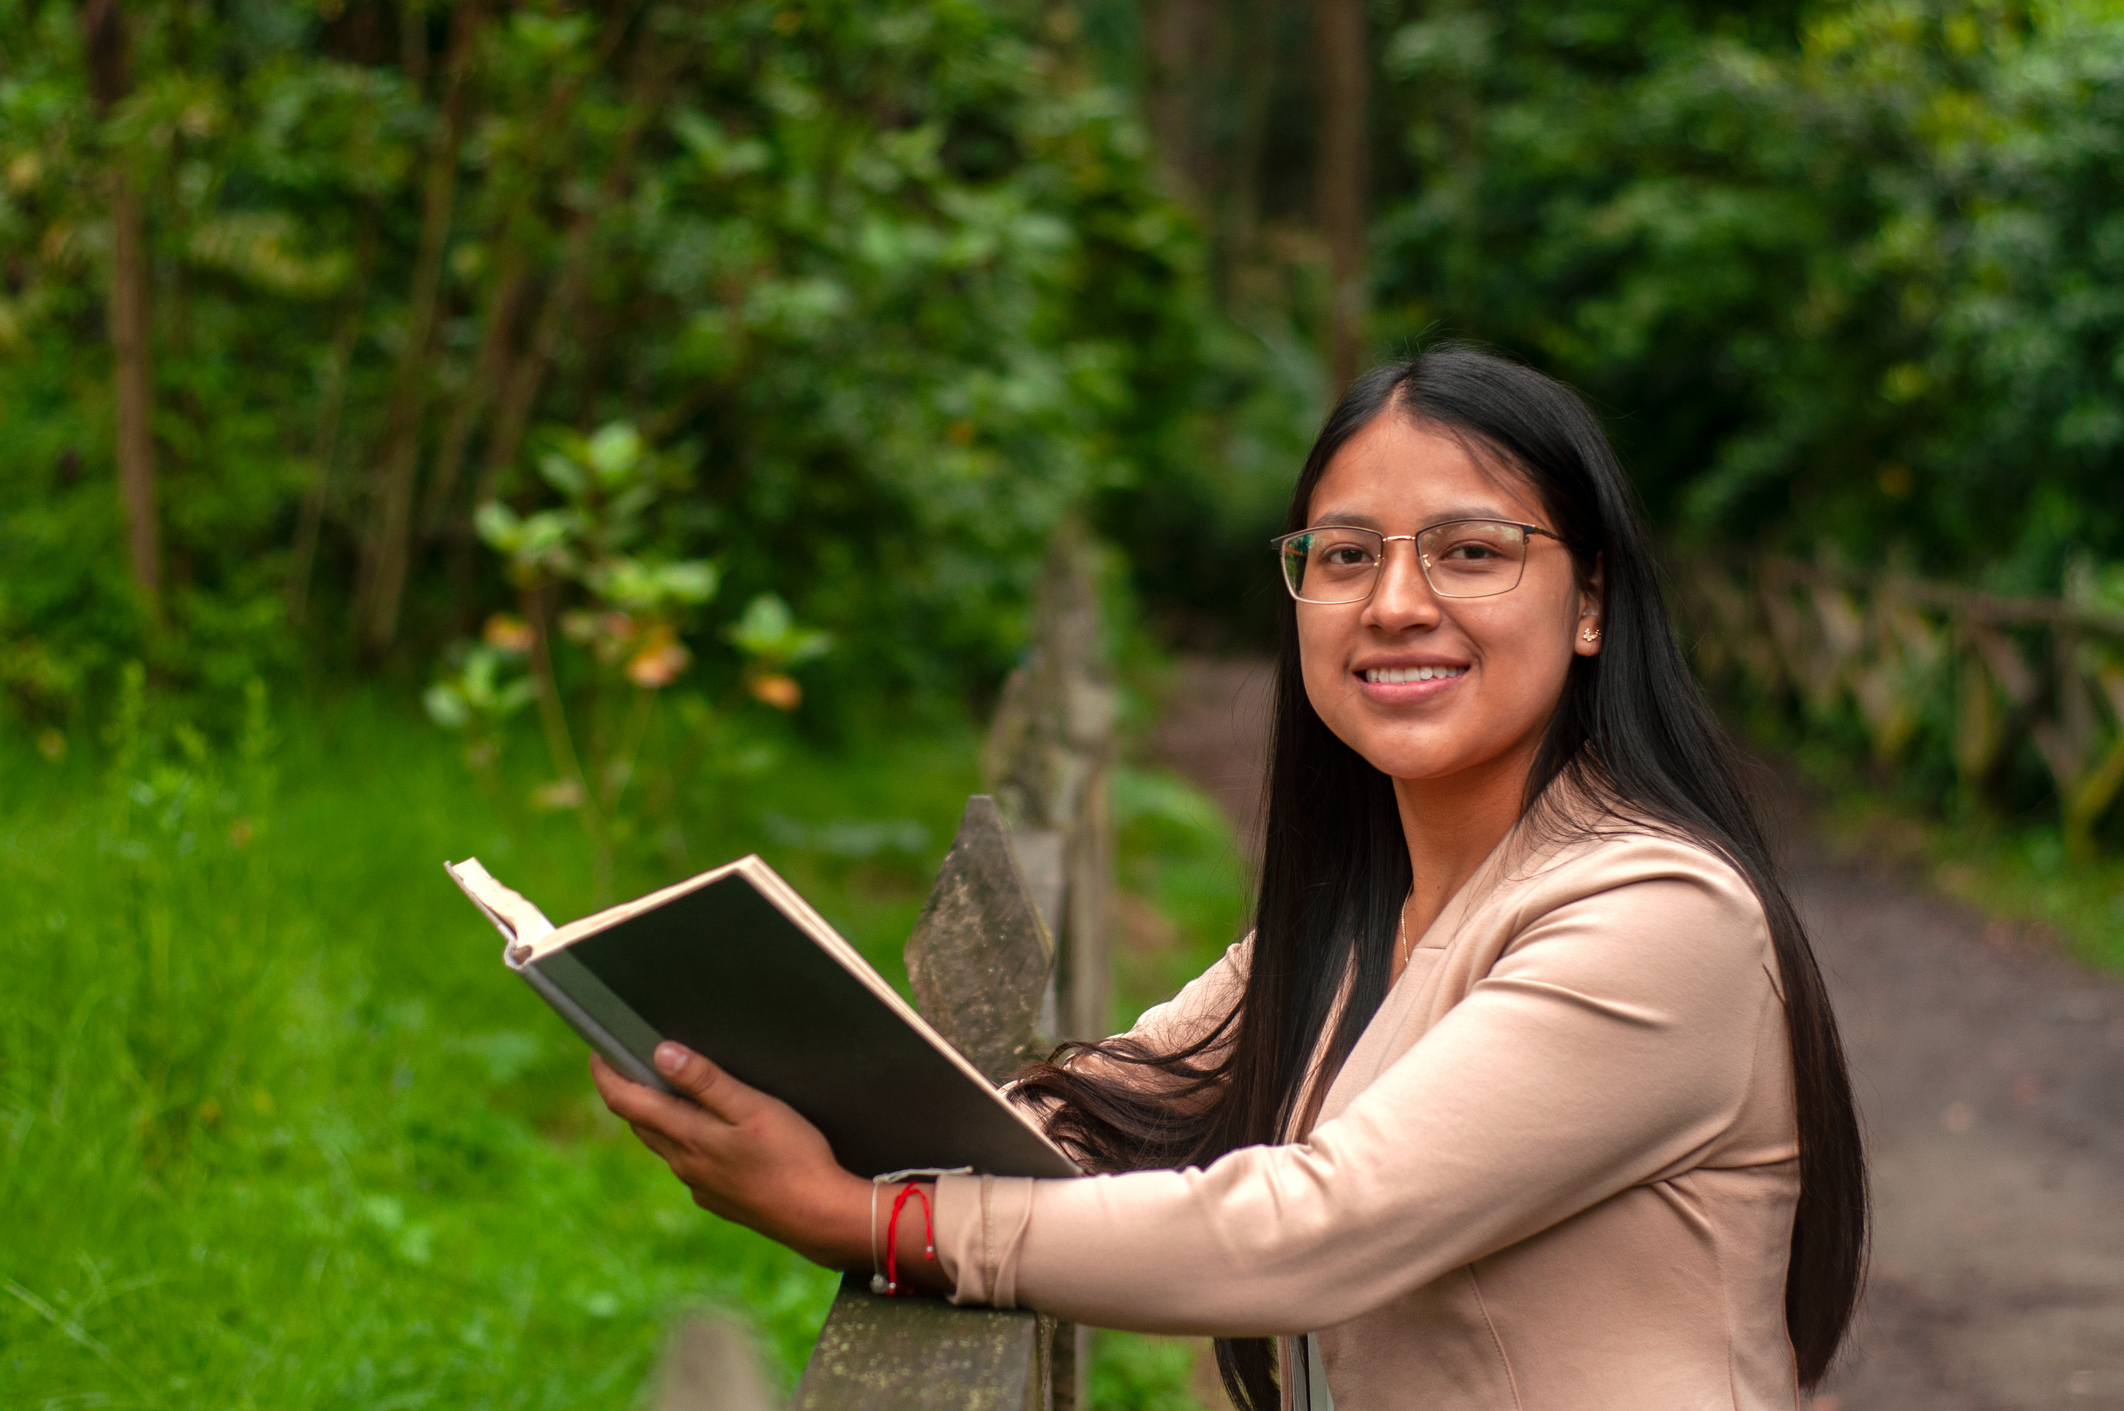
1406, 680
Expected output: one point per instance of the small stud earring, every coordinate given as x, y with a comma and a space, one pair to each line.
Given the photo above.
1591, 634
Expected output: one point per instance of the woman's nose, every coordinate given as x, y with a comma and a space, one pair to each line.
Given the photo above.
1402, 598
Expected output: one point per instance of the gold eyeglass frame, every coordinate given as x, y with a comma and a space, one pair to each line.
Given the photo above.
1423, 563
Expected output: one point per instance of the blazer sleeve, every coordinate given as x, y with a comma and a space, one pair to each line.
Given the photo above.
1612, 1042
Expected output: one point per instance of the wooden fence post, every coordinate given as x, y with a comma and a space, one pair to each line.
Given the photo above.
922, 1354
1010, 954
709, 1365
1048, 753
979, 959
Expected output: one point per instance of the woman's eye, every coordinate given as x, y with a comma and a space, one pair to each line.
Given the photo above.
1344, 556
1471, 553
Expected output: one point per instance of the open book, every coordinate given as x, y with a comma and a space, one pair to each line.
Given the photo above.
738, 967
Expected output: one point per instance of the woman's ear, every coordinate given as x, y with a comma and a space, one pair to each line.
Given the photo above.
1585, 639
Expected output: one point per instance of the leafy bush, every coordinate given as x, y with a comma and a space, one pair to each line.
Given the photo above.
1844, 272
624, 604
890, 280
1132, 1372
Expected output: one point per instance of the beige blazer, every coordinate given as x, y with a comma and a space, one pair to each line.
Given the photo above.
1558, 1171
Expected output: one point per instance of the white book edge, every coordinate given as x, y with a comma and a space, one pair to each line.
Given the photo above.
520, 923
524, 926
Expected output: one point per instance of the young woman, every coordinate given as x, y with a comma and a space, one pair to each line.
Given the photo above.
1525, 1090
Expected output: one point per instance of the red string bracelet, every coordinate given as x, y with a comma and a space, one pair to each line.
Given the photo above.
892, 1236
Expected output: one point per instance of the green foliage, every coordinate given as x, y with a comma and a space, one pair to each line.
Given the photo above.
481, 693
768, 633
889, 279
626, 606
1132, 1372
1185, 888
1841, 273
610, 485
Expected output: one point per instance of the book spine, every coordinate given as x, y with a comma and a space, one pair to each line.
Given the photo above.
595, 1034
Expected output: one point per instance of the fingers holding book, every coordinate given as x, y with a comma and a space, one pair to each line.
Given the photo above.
722, 1095
747, 1157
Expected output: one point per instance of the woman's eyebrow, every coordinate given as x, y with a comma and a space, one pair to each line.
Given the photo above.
1473, 512
1358, 520
1350, 518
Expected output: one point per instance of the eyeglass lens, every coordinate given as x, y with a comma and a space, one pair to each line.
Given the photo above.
1468, 558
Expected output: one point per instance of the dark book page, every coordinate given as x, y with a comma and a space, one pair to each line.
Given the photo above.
723, 971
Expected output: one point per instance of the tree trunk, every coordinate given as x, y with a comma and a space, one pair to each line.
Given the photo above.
495, 379
649, 82
1344, 82
1256, 74
511, 286
519, 394
309, 520
1188, 43
129, 318
1165, 98
129, 311
384, 580
512, 283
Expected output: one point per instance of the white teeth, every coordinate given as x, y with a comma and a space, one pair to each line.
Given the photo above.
1395, 676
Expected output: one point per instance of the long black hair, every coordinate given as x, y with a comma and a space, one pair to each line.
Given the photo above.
1631, 731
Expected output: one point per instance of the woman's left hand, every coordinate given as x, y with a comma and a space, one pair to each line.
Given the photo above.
746, 1156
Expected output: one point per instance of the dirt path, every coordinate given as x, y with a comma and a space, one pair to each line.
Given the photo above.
1991, 1075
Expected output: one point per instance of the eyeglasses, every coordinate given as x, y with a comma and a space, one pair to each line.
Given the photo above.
1461, 558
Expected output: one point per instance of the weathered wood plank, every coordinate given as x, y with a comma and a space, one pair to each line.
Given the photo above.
980, 956
709, 1365
921, 1354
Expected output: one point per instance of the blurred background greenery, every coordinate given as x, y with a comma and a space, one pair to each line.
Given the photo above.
608, 437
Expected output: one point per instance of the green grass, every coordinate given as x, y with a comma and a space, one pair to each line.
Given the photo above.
276, 1129
1142, 1373
1183, 887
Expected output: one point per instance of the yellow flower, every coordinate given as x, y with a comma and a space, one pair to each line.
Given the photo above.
781, 692
506, 632
659, 660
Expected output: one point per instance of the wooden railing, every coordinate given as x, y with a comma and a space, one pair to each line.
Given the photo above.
1009, 954
1896, 649
981, 961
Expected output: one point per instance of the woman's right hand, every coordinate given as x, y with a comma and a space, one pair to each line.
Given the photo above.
747, 1157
